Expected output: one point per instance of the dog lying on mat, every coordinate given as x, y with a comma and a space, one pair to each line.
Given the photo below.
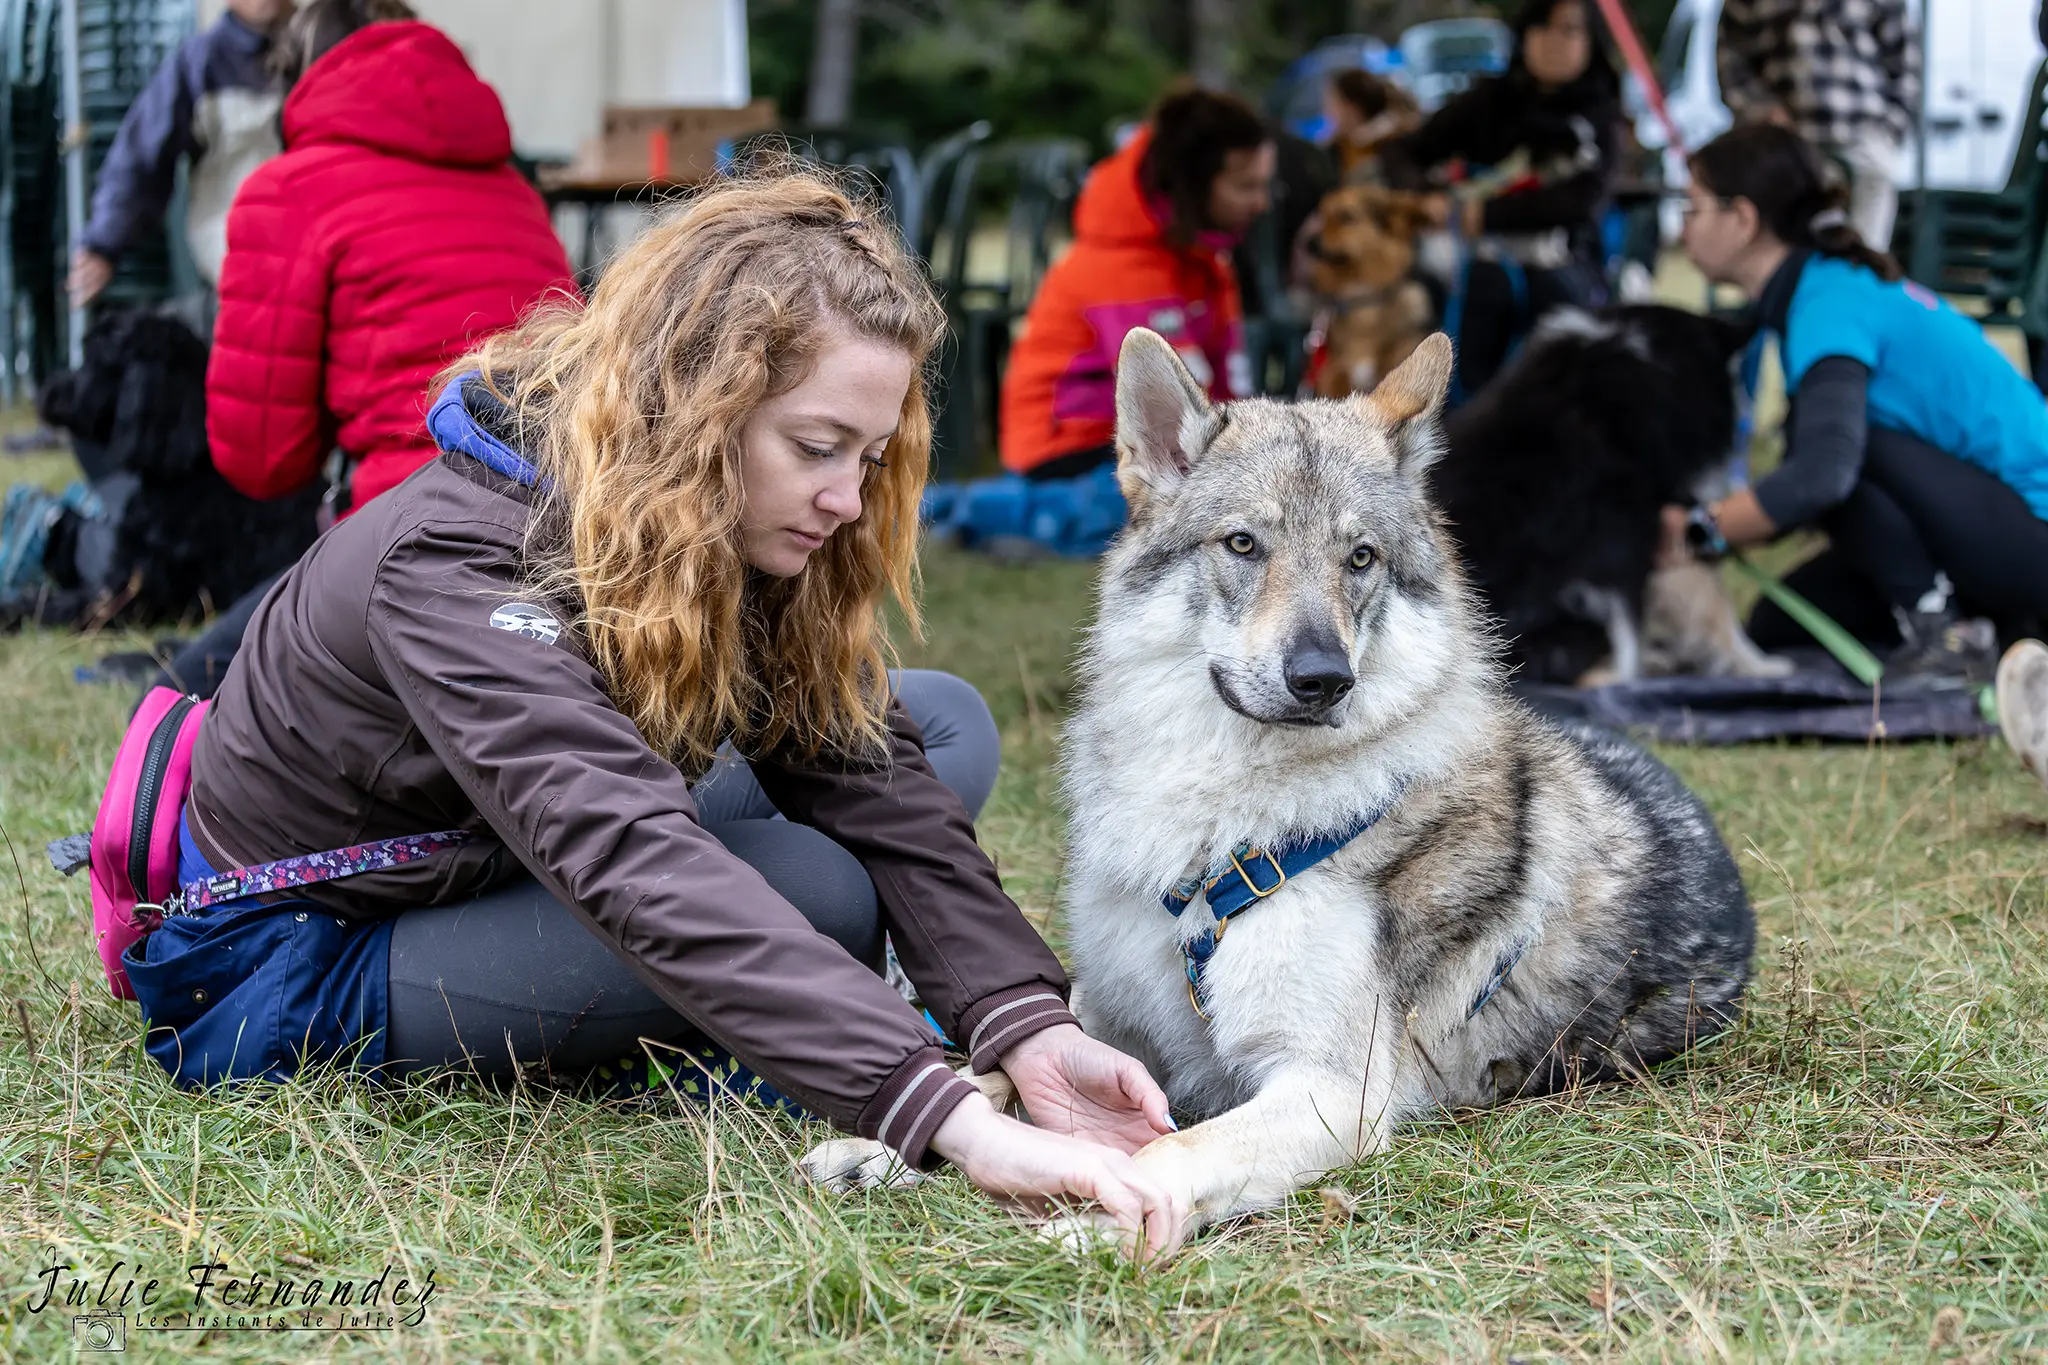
1552, 482
1325, 876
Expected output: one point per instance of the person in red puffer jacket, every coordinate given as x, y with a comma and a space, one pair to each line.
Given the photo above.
391, 237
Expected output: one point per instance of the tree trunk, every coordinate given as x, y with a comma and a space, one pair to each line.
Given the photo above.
834, 52
1214, 29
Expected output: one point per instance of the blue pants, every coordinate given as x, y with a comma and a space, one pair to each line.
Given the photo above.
511, 981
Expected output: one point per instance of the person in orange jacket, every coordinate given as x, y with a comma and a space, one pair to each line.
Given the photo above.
1153, 230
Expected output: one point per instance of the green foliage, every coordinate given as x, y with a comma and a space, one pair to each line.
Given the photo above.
1055, 67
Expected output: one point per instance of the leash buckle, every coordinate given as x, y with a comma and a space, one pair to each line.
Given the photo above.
1252, 886
148, 916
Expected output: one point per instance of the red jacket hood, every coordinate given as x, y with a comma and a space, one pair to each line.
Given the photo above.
1113, 208
404, 88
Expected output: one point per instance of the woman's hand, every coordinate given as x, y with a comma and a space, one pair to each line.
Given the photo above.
90, 273
1072, 1084
1742, 519
1036, 1171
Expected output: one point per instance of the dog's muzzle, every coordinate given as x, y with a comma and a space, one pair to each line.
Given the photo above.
1318, 677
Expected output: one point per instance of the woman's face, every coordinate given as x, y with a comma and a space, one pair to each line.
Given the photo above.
1343, 116
1243, 189
804, 452
1717, 232
1558, 50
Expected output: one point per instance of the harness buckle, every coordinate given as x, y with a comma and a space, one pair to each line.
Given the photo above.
1252, 886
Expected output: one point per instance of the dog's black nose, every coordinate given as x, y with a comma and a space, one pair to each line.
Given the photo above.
1318, 674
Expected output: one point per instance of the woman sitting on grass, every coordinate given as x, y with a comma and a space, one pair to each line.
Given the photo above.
659, 535
1917, 447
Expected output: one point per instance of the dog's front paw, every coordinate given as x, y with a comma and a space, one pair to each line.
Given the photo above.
1082, 1234
844, 1165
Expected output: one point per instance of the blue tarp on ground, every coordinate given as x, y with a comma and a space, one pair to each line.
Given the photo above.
1076, 518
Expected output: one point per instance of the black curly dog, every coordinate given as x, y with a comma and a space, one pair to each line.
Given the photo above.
176, 540
1554, 473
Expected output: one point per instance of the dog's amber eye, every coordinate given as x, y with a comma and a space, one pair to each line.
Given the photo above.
1242, 543
1362, 557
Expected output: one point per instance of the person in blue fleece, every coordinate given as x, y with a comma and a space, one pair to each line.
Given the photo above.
1919, 449
213, 102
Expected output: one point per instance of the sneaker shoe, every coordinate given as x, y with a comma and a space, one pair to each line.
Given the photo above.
2023, 704
1941, 648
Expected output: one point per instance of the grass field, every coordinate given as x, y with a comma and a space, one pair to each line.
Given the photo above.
1857, 1174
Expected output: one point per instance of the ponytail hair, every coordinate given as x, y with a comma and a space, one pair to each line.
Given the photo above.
318, 26
1796, 199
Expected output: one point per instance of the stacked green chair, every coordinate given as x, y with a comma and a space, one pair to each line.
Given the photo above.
1988, 244
946, 175
1044, 176
877, 155
31, 196
121, 43
949, 176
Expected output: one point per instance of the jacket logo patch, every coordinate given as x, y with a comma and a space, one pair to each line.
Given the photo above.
523, 618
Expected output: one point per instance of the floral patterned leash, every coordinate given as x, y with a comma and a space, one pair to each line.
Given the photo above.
307, 869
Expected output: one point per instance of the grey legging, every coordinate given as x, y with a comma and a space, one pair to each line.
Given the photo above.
513, 973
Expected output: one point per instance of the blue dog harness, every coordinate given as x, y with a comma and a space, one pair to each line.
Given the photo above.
1253, 874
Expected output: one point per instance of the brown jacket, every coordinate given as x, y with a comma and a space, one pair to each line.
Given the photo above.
381, 690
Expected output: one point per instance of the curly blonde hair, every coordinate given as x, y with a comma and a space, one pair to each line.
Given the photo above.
633, 407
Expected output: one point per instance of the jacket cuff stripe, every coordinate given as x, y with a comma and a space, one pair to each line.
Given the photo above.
912, 1104
1036, 997
916, 1144
1043, 1013
925, 1073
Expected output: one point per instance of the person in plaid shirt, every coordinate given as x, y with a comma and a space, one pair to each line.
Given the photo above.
1844, 73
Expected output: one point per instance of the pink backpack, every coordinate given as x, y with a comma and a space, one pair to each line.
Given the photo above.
135, 837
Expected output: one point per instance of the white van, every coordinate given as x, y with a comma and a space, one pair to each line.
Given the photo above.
1979, 59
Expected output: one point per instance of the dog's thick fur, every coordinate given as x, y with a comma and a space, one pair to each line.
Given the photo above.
1286, 641
1552, 484
1372, 312
182, 540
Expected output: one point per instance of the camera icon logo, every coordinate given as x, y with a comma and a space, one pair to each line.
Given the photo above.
102, 1331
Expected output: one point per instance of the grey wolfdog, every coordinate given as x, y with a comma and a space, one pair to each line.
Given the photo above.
1287, 657
1286, 648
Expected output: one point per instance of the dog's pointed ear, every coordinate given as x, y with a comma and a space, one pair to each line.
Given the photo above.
1160, 411
1408, 398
